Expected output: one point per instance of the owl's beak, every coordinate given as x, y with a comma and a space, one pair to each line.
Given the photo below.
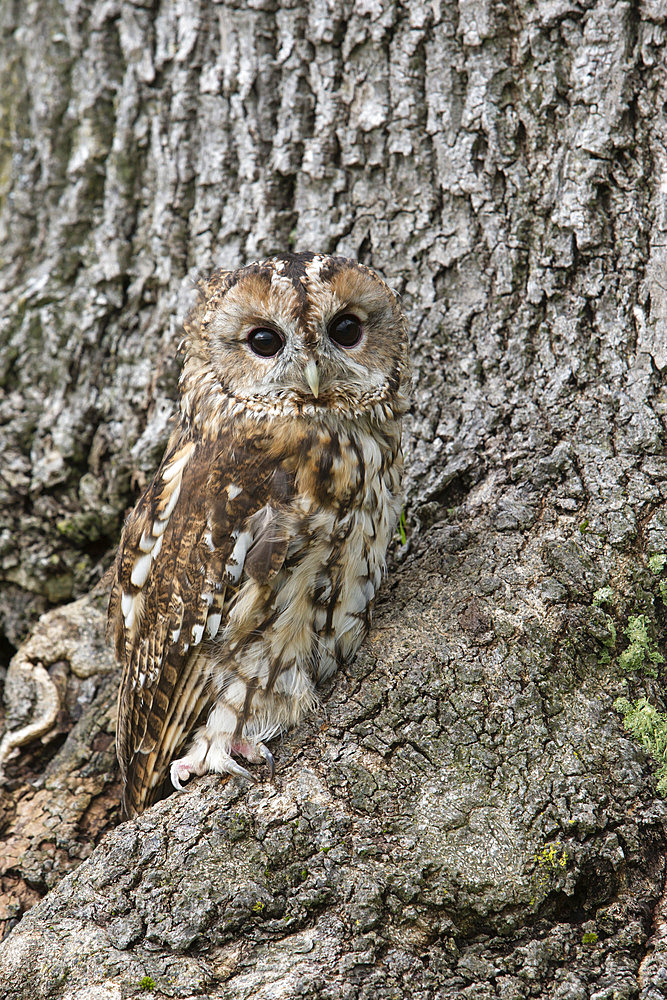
312, 377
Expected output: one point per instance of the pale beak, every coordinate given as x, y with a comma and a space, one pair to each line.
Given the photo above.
312, 377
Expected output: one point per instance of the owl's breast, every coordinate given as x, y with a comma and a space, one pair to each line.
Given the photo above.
296, 626
338, 466
336, 556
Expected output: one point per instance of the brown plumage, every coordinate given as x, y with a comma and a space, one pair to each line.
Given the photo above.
248, 569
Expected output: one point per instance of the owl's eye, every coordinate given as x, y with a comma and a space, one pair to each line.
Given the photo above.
345, 330
264, 342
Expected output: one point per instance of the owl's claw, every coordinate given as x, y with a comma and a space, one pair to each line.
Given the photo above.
256, 753
268, 757
231, 767
179, 771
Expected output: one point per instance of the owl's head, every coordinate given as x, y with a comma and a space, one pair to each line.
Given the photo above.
297, 334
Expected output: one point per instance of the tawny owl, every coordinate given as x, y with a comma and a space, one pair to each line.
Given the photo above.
247, 571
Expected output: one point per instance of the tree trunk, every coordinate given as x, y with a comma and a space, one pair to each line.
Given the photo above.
471, 814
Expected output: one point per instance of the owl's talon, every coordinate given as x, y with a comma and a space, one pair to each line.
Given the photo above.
231, 767
268, 757
256, 753
180, 771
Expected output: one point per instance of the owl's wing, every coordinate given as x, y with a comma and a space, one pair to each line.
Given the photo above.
211, 514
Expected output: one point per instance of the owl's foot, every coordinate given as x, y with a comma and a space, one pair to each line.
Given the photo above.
201, 760
256, 753
183, 769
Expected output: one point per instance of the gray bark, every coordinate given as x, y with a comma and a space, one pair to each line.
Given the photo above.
468, 817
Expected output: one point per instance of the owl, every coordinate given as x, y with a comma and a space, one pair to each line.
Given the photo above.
248, 569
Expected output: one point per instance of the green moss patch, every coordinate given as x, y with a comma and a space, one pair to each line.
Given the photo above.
649, 726
642, 654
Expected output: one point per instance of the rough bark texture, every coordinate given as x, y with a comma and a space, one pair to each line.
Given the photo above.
469, 818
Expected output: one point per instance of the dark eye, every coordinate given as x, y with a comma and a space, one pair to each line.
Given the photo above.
345, 330
265, 342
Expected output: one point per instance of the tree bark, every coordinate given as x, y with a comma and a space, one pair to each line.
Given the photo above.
467, 816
